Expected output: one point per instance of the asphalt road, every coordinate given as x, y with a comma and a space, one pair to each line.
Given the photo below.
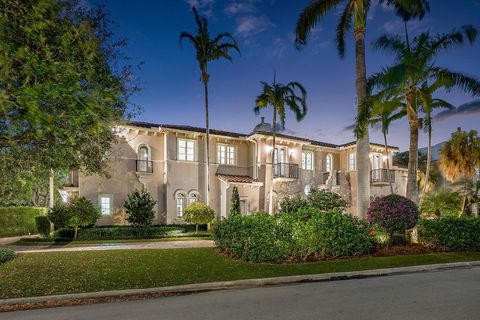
453, 294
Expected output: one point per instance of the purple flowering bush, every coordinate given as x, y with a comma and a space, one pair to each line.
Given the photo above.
394, 213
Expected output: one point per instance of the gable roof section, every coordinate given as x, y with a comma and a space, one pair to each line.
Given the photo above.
150, 125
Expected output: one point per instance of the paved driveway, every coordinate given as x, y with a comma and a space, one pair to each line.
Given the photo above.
445, 295
117, 246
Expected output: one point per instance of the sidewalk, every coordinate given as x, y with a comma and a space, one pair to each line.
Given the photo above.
115, 246
5, 241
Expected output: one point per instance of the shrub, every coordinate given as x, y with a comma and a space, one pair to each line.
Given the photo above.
394, 213
119, 233
139, 208
235, 205
43, 225
293, 204
18, 221
6, 255
259, 237
451, 233
198, 213
82, 213
326, 201
59, 215
444, 203
337, 234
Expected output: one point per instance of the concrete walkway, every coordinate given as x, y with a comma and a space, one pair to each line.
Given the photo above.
116, 246
5, 241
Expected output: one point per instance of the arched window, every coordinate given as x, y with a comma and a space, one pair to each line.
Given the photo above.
180, 199
193, 197
143, 159
328, 163
307, 160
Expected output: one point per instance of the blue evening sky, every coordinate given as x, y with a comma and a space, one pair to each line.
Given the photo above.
170, 78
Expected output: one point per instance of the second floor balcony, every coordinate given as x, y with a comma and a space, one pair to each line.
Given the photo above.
381, 176
285, 170
144, 166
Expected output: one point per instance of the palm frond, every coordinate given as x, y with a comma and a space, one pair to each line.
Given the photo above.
343, 26
458, 80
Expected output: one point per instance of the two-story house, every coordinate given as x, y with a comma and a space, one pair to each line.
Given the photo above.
170, 162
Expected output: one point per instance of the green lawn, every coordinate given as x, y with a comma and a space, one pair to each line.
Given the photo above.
76, 243
38, 274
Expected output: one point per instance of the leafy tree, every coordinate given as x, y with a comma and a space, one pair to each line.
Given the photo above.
324, 200
208, 49
60, 89
198, 213
82, 213
357, 11
139, 208
416, 76
278, 96
293, 204
235, 205
59, 215
441, 204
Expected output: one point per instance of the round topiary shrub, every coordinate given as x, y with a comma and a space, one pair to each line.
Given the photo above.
43, 225
394, 213
6, 255
198, 213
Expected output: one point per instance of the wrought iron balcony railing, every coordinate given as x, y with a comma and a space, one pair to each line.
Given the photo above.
381, 176
144, 166
285, 170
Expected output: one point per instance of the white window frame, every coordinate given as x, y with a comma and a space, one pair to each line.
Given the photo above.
185, 155
101, 197
352, 162
227, 154
305, 165
193, 197
180, 206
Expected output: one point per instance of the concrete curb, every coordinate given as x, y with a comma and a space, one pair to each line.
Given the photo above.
248, 283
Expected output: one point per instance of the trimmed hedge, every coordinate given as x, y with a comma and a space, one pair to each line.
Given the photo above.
305, 234
18, 221
6, 255
43, 225
118, 233
451, 233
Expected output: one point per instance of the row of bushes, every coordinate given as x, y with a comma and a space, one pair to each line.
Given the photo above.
451, 233
305, 234
17, 221
118, 233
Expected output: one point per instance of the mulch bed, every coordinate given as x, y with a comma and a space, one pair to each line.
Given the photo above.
398, 250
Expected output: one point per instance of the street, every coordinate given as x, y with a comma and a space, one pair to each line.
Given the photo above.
453, 294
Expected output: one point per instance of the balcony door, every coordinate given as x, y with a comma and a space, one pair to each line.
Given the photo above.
278, 157
376, 165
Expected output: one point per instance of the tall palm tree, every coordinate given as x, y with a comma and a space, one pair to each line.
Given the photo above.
208, 49
278, 96
413, 71
460, 158
429, 104
357, 11
381, 109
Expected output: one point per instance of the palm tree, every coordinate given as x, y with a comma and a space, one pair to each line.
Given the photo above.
428, 105
356, 10
278, 96
412, 73
460, 157
382, 109
208, 49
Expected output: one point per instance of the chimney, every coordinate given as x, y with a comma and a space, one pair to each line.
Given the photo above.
459, 129
263, 119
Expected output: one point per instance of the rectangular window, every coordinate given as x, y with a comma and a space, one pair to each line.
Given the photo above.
226, 154
307, 160
352, 162
106, 205
186, 150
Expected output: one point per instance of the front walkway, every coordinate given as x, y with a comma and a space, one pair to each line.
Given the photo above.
116, 246
5, 241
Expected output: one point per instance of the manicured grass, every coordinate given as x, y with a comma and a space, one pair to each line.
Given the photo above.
77, 243
37, 274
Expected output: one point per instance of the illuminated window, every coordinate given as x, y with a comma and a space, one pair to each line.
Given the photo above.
193, 197
307, 160
105, 205
180, 199
226, 154
328, 163
186, 150
352, 162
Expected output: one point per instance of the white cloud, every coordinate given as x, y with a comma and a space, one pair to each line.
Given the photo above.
203, 6
251, 25
236, 7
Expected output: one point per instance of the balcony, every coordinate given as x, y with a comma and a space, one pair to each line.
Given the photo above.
285, 170
144, 166
380, 176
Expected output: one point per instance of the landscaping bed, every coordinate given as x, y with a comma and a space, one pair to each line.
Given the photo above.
75, 272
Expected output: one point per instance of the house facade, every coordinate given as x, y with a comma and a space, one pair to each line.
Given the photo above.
170, 162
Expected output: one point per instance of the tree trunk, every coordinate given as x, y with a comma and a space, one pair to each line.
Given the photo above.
270, 197
76, 233
51, 202
412, 186
207, 143
196, 228
429, 157
363, 144
388, 163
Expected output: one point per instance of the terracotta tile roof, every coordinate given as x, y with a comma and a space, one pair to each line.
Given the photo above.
235, 178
